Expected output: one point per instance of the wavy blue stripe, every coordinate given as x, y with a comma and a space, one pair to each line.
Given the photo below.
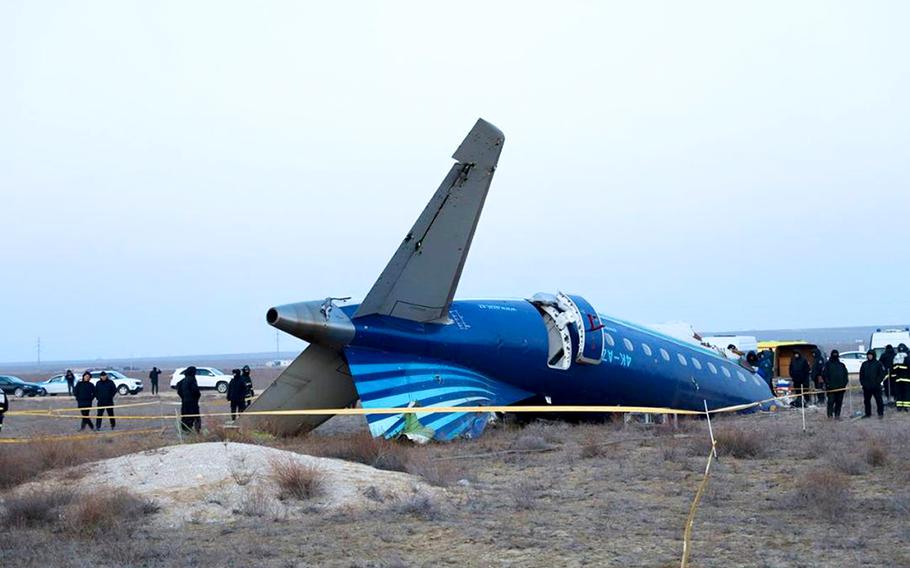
380, 422
424, 397
373, 389
373, 368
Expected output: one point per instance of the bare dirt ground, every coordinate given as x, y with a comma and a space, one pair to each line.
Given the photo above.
546, 494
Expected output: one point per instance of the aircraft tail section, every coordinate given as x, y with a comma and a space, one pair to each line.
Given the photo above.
390, 380
420, 280
318, 378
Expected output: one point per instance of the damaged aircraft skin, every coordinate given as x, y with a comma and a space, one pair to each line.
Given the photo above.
409, 344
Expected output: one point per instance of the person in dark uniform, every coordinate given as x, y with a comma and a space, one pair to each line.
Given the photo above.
248, 381
900, 372
153, 377
818, 366
799, 374
84, 391
836, 380
236, 393
188, 391
70, 381
887, 361
766, 367
871, 375
4, 406
105, 389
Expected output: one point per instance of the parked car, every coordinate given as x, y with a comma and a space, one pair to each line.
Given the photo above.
17, 387
125, 385
207, 377
55, 385
853, 360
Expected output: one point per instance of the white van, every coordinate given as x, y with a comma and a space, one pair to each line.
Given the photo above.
744, 343
894, 337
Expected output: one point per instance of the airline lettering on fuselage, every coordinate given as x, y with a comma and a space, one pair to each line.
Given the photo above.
495, 307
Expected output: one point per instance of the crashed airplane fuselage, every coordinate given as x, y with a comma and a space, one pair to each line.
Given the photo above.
409, 344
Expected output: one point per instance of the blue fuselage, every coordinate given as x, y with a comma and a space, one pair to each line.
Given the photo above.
507, 340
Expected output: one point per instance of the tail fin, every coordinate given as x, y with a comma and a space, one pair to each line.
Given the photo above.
419, 282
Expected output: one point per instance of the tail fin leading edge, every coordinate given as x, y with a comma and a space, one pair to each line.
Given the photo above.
419, 282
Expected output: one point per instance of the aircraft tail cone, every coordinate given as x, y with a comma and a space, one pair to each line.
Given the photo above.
319, 322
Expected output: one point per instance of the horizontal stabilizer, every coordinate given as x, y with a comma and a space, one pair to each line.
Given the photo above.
318, 378
419, 282
391, 380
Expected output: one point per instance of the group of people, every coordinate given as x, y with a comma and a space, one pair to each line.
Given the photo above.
239, 392
87, 393
879, 378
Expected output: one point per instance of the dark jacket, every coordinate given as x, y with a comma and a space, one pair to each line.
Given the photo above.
871, 374
835, 374
153, 375
4, 402
105, 391
188, 391
236, 391
799, 370
818, 366
84, 391
887, 359
248, 381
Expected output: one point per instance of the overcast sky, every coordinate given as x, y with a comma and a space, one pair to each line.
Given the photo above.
169, 170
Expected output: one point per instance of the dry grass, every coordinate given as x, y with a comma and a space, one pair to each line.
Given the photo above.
257, 503
823, 491
441, 473
35, 508
419, 505
103, 510
734, 441
296, 480
361, 448
25, 462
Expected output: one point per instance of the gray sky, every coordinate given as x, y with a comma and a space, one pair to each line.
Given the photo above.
169, 170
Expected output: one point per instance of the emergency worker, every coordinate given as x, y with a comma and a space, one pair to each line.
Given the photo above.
818, 365
236, 393
799, 373
4, 406
766, 367
871, 375
836, 380
105, 390
248, 381
887, 361
900, 372
84, 391
188, 391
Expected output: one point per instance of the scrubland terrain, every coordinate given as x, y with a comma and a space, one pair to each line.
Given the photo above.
544, 494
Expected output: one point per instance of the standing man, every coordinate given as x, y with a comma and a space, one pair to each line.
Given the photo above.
248, 381
818, 365
871, 375
236, 393
766, 367
84, 391
153, 377
836, 379
887, 362
70, 381
900, 372
4, 406
188, 391
799, 373
104, 393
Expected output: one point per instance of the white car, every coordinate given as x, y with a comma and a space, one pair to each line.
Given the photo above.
853, 360
206, 377
125, 385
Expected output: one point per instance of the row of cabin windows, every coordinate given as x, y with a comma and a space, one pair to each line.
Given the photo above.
679, 356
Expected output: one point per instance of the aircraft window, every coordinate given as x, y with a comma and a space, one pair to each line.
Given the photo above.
682, 360
696, 363
712, 368
664, 354
628, 344
609, 339
741, 376
726, 372
647, 349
